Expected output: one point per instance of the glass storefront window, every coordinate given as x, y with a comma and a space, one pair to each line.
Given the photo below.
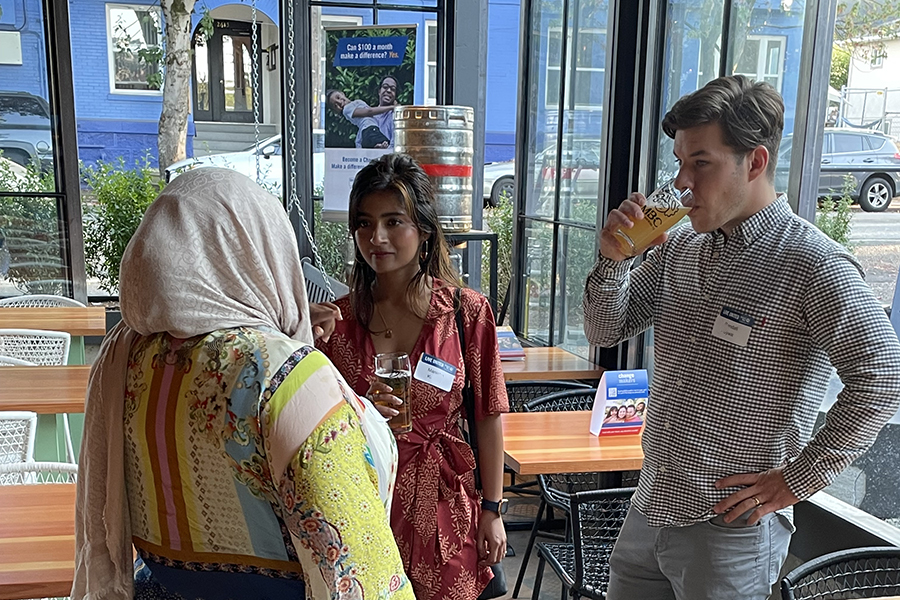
567, 71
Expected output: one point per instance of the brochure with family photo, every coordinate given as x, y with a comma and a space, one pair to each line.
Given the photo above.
620, 405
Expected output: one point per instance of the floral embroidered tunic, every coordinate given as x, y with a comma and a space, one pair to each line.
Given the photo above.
249, 475
435, 510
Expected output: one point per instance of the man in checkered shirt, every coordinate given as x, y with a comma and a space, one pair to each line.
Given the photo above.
751, 307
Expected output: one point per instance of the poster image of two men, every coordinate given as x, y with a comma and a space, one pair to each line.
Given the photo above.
370, 70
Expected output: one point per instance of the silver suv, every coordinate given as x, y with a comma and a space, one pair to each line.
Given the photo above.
870, 157
25, 129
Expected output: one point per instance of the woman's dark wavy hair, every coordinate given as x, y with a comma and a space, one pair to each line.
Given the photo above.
750, 113
402, 175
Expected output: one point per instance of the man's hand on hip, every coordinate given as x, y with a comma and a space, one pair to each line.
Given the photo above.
766, 492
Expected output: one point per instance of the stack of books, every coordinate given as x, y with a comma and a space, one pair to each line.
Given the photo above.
510, 348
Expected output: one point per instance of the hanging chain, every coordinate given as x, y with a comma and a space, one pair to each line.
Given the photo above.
293, 199
254, 69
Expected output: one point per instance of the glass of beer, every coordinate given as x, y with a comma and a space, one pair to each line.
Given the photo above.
664, 208
393, 369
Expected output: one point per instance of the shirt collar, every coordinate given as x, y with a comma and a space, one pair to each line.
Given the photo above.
756, 225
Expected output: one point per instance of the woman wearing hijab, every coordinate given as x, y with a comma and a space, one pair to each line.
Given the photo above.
218, 442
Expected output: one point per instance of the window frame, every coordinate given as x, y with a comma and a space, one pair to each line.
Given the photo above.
429, 61
762, 56
570, 54
111, 54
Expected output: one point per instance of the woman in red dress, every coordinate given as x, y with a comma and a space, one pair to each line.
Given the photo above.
403, 299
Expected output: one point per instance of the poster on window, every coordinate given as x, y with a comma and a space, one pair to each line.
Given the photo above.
369, 70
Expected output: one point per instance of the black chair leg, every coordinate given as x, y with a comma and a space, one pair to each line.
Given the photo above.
529, 548
538, 576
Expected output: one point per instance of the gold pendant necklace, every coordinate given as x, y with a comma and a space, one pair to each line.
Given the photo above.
388, 331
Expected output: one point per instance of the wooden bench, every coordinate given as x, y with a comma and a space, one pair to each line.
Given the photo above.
44, 390
77, 321
37, 540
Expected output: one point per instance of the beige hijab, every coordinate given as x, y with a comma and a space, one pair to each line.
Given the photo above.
213, 251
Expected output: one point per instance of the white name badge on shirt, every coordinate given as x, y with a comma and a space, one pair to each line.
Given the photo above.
733, 326
435, 371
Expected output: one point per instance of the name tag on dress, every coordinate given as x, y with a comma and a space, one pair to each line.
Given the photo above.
436, 372
733, 327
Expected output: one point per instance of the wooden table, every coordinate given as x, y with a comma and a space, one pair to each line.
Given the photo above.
44, 390
37, 540
89, 320
550, 364
561, 442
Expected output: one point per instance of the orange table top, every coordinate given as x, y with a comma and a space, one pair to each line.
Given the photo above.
37, 540
550, 364
44, 390
90, 320
561, 442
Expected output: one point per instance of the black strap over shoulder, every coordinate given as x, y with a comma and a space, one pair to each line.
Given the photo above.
468, 393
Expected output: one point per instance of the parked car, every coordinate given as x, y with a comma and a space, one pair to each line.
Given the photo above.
871, 157
579, 177
25, 129
270, 163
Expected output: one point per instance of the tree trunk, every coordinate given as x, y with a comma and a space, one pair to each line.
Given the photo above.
173, 120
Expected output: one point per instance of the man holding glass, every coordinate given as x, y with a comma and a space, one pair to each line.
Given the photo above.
750, 306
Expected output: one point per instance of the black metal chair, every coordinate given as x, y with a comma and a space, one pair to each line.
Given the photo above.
582, 565
869, 572
556, 489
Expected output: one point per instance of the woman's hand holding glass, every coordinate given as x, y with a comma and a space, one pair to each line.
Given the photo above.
380, 395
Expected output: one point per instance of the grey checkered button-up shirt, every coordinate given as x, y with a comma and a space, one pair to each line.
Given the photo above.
721, 407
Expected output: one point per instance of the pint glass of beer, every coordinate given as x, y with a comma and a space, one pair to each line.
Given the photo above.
664, 208
393, 370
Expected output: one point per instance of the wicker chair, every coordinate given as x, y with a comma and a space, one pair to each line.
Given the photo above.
17, 431
38, 347
37, 472
857, 573
583, 564
9, 361
38, 301
556, 489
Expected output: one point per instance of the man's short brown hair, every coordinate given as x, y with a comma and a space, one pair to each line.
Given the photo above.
750, 113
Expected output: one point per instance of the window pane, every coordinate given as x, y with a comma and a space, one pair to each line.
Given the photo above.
774, 62
577, 253
844, 142
749, 58
432, 43
691, 60
31, 239
537, 288
134, 37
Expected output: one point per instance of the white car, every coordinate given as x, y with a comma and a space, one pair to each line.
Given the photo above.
499, 182
579, 178
271, 164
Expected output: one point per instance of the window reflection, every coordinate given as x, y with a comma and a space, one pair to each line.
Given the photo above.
566, 82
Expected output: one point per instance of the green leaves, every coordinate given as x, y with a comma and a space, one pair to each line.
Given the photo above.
112, 210
833, 217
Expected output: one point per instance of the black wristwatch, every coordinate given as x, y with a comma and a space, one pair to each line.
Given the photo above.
497, 507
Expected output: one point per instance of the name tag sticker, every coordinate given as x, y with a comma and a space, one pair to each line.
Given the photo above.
435, 371
733, 326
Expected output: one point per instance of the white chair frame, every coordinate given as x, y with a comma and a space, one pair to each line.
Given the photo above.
38, 473
9, 351
30, 418
38, 301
